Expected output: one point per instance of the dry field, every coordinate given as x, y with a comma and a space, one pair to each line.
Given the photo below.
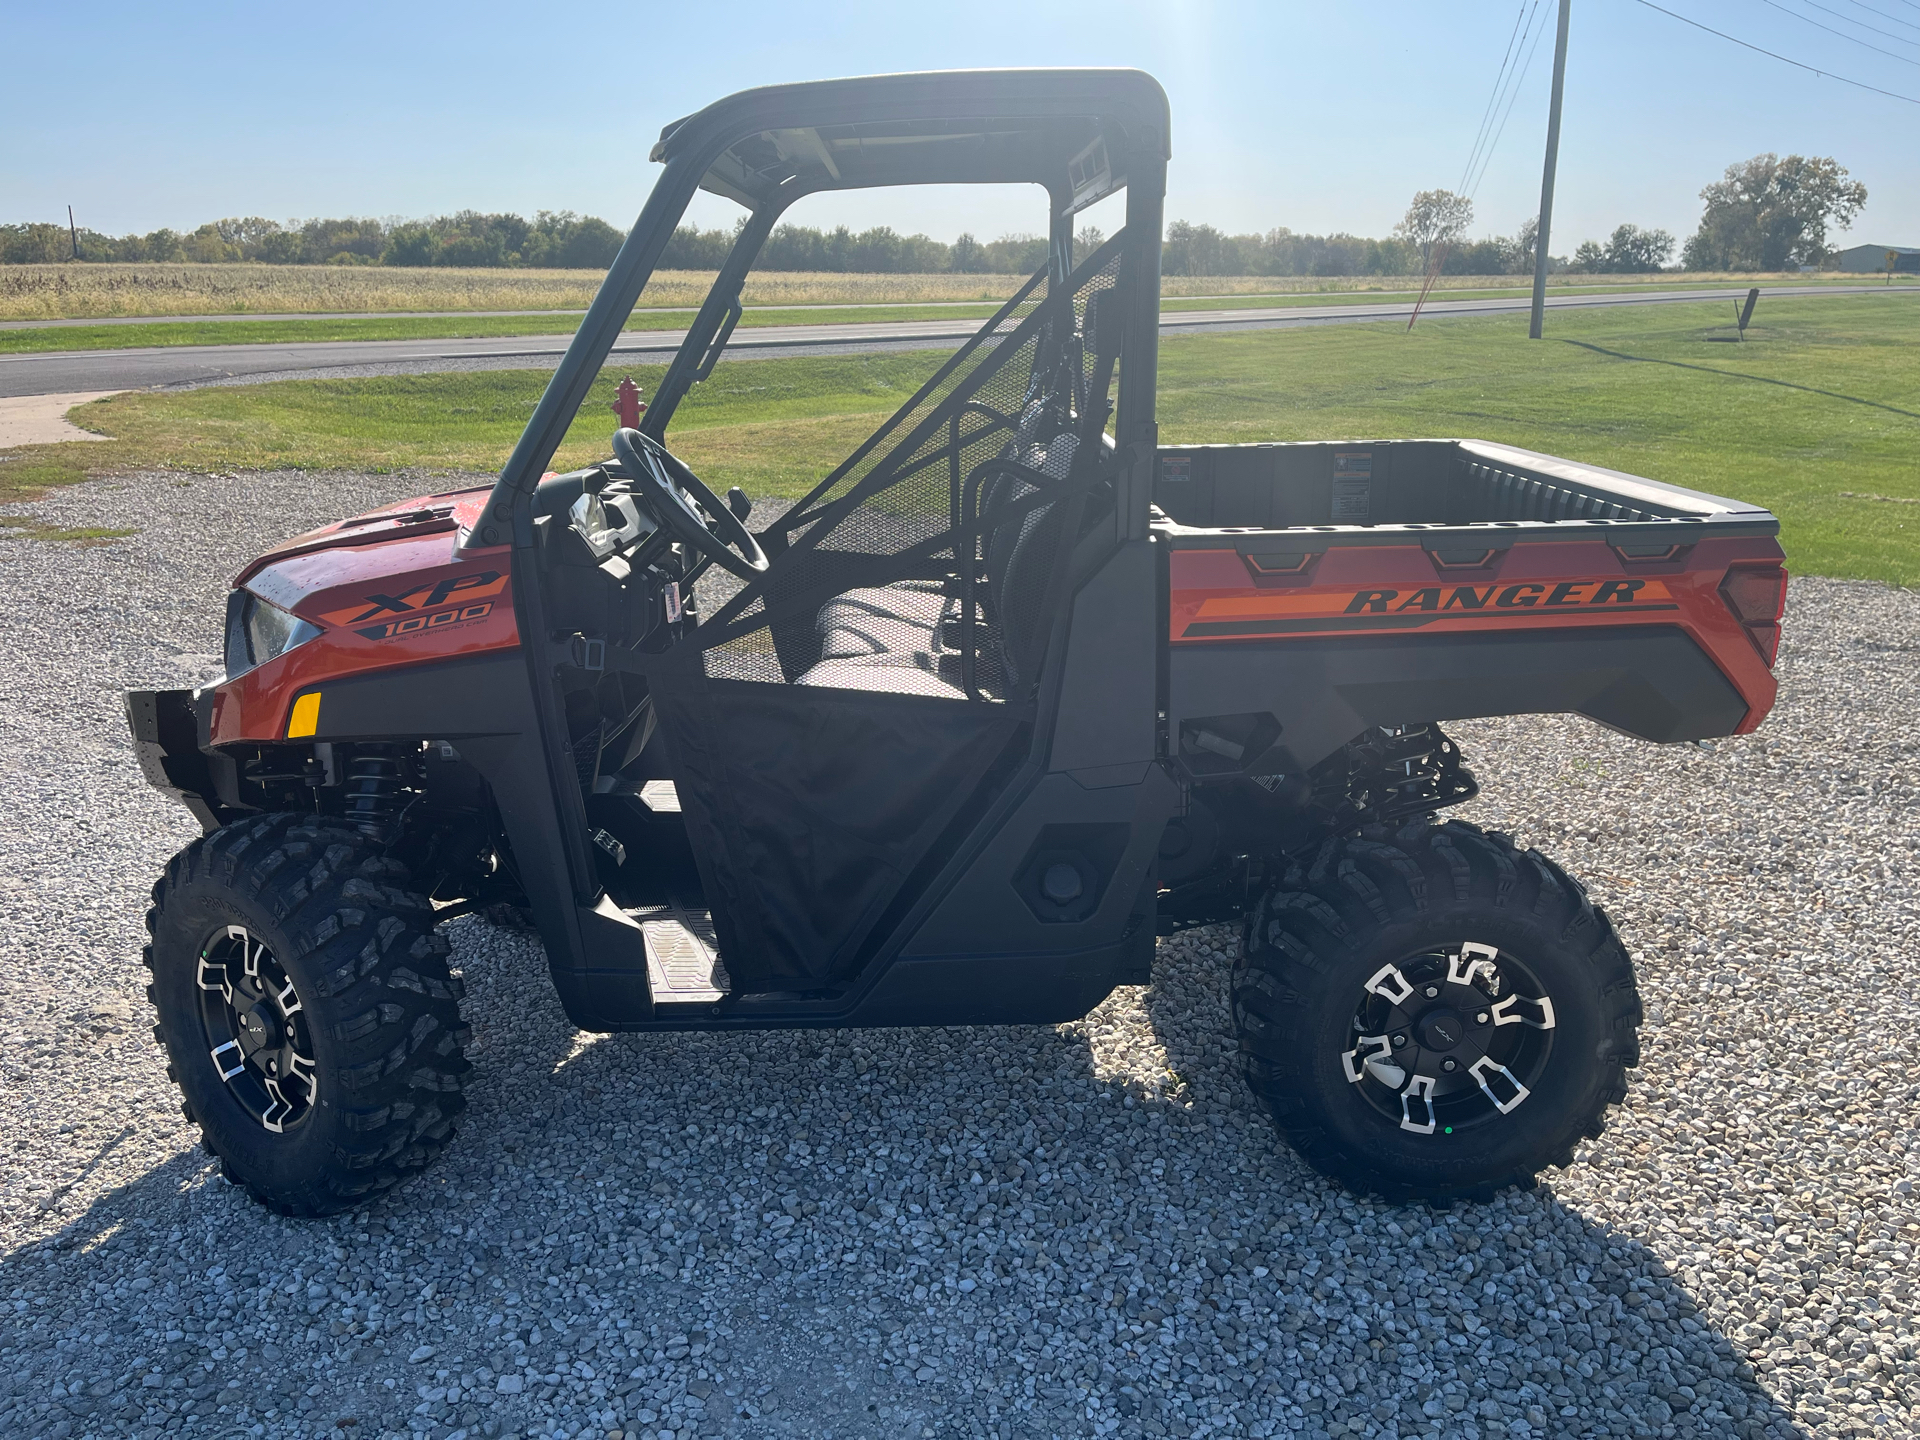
48, 292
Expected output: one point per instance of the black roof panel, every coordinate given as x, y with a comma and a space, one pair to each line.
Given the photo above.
933, 127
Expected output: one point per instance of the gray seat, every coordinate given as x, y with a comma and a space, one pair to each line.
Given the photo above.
894, 620
892, 638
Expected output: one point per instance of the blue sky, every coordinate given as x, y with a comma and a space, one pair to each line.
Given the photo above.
1319, 117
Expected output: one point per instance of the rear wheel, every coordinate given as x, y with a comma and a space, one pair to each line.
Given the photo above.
306, 1009
1434, 1014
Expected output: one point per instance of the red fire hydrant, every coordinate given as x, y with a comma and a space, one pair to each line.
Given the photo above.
628, 405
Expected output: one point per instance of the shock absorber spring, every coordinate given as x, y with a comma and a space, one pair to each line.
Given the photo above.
374, 784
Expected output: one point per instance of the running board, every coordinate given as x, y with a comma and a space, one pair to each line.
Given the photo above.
683, 960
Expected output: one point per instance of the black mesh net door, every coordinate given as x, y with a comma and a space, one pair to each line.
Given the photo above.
835, 723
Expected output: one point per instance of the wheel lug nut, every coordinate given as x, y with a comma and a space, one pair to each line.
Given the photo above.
1433, 992
1449, 1065
1481, 1018
1398, 1041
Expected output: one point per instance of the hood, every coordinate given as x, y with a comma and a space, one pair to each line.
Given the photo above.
451, 513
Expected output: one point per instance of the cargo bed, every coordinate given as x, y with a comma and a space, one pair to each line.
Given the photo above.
1394, 582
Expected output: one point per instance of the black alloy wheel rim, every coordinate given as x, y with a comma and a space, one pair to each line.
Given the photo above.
1451, 1039
257, 1032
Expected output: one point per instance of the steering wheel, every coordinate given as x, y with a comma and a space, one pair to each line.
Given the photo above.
718, 535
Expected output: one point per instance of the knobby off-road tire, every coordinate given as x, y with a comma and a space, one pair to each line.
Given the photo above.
1412, 899
364, 1055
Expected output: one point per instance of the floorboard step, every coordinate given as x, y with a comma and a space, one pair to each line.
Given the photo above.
683, 961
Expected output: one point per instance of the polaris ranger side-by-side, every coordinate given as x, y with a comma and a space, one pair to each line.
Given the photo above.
1014, 690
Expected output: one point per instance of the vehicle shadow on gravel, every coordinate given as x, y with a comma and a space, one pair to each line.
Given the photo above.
1130, 1133
1583, 1325
1010, 1232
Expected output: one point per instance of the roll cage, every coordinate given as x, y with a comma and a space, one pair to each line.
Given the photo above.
870, 741
1080, 134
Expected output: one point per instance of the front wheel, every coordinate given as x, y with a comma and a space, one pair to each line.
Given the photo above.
1434, 1014
306, 1010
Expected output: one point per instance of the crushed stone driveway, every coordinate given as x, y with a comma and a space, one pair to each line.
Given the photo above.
1078, 1230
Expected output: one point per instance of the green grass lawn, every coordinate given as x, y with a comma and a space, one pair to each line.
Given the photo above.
1815, 415
774, 426
461, 327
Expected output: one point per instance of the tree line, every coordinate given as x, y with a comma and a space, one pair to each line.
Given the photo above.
1420, 243
552, 239
1767, 213
879, 251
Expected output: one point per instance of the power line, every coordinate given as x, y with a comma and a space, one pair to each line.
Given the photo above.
1908, 3
1503, 101
1871, 11
1772, 55
1513, 95
1493, 100
1904, 60
1526, 67
1514, 41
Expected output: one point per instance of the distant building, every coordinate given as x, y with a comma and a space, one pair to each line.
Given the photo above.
1872, 259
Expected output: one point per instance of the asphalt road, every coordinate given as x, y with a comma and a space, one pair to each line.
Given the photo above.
58, 372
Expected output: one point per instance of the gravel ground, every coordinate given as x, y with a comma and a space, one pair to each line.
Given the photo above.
1081, 1230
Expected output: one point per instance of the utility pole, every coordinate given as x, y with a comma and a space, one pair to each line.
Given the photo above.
73, 231
1546, 177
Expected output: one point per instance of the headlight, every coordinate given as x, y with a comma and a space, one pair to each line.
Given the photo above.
258, 632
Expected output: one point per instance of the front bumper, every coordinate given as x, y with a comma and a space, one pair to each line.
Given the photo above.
167, 727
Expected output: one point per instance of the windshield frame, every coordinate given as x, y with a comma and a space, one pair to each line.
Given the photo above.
1127, 107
